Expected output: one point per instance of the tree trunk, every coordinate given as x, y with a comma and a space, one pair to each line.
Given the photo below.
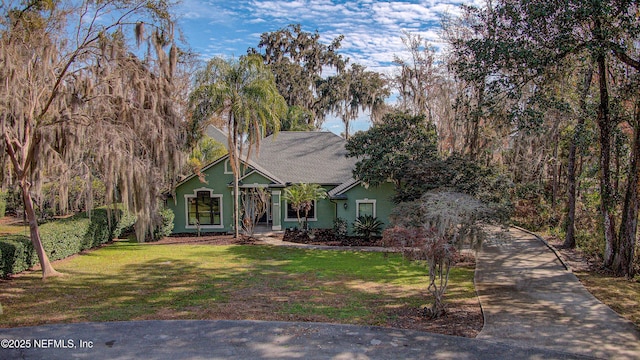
475, 131
570, 238
236, 187
29, 211
624, 253
234, 160
606, 191
236, 207
47, 269
555, 168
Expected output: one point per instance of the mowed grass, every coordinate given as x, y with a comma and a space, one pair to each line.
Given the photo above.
129, 281
11, 229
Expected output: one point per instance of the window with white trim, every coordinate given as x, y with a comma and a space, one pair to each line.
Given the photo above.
365, 207
292, 216
204, 209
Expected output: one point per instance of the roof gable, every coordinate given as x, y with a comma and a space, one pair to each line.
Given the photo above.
253, 167
306, 157
299, 157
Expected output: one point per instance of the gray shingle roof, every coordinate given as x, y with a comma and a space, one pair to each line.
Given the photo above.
306, 157
217, 135
338, 191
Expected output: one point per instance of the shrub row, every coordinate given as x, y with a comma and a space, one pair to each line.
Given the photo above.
127, 222
66, 237
3, 203
60, 238
328, 237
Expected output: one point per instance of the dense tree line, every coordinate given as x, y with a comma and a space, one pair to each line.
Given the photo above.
549, 93
544, 93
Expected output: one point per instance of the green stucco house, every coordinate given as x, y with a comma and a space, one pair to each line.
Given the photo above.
284, 159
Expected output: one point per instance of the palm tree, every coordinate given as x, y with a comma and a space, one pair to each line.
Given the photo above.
243, 93
301, 198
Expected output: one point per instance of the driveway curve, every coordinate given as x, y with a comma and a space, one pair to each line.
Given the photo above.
530, 298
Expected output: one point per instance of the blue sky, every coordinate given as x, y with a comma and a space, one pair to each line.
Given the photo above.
371, 29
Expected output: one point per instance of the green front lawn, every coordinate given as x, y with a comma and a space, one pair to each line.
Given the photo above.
129, 281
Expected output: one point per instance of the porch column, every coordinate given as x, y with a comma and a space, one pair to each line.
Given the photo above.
276, 213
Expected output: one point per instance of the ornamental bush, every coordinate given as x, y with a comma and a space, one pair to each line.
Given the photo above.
3, 203
367, 226
340, 227
433, 229
166, 227
61, 238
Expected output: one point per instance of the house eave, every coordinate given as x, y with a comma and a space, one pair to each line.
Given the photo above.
207, 167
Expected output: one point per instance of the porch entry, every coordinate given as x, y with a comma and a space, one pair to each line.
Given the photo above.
260, 207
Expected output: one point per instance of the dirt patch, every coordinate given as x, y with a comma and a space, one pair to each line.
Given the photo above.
12, 221
215, 239
460, 320
574, 258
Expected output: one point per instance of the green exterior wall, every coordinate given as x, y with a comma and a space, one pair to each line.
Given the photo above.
381, 194
326, 209
219, 182
254, 179
325, 213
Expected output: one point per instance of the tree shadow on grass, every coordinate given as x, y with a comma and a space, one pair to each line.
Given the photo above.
137, 291
240, 283
381, 267
336, 286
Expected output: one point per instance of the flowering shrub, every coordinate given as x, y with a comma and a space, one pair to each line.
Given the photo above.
433, 229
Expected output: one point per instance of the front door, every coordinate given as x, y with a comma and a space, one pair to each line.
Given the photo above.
276, 213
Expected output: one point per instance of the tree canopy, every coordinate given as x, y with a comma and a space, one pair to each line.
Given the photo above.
77, 98
351, 91
244, 95
517, 48
387, 150
298, 60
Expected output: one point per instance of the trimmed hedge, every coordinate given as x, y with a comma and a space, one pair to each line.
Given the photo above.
16, 254
127, 222
125, 226
60, 238
167, 224
3, 203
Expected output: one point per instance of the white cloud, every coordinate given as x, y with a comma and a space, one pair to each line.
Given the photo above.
195, 9
401, 12
257, 21
372, 29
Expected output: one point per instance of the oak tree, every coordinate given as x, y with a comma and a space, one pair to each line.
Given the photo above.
75, 94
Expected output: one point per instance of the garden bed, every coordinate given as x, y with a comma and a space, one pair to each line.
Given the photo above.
206, 239
327, 237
